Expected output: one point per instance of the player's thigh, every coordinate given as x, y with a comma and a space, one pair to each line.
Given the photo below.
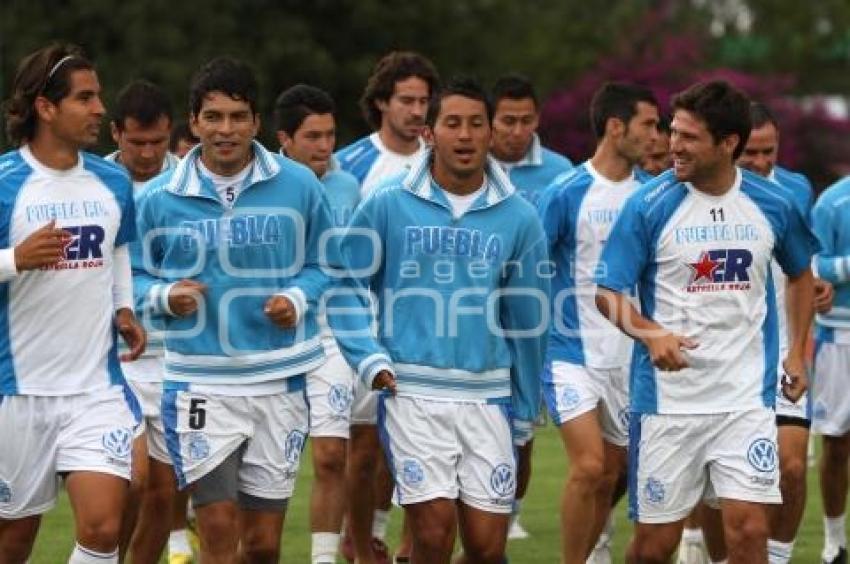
744, 457
482, 532
831, 403
421, 446
330, 395
97, 500
272, 455
202, 429
487, 472
570, 391
29, 434
793, 443
667, 466
17, 537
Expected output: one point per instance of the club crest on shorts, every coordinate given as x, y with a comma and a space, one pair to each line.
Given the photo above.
762, 455
198, 445
339, 398
570, 397
502, 480
412, 473
118, 443
5, 492
654, 490
293, 446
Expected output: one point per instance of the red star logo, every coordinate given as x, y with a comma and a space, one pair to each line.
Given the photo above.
704, 268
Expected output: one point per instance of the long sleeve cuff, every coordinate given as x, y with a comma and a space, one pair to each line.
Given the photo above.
8, 268
371, 365
299, 301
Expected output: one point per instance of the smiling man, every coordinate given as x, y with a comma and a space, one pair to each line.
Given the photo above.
447, 429
65, 287
698, 242
232, 239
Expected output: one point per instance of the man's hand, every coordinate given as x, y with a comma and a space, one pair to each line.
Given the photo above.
794, 379
665, 350
183, 297
281, 311
44, 247
384, 380
132, 332
824, 292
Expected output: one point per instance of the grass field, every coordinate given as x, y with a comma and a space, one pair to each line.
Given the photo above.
540, 517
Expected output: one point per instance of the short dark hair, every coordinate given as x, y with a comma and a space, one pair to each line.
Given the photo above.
465, 86
294, 105
46, 72
761, 115
181, 130
617, 100
143, 101
724, 109
228, 76
514, 86
663, 124
392, 68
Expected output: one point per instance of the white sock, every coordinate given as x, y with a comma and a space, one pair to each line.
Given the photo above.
178, 542
692, 536
324, 547
82, 555
779, 552
380, 521
834, 536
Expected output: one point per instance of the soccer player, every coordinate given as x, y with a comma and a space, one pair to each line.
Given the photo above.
516, 145
394, 103
586, 380
306, 130
698, 241
182, 139
831, 412
659, 158
531, 168
141, 125
793, 419
65, 287
456, 268
231, 245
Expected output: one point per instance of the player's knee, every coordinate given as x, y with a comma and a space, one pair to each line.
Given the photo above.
746, 532
587, 470
485, 552
15, 549
793, 473
434, 537
101, 535
643, 552
260, 553
329, 461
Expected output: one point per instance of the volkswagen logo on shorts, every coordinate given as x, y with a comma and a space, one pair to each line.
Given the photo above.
294, 445
654, 490
762, 455
5, 492
411, 472
502, 480
570, 397
624, 417
118, 443
339, 398
198, 445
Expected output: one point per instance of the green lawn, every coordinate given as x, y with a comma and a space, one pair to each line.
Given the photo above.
540, 517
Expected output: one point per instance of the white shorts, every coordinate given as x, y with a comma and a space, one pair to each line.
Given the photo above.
149, 396
453, 450
202, 429
799, 411
675, 459
329, 394
42, 436
571, 390
831, 412
364, 409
